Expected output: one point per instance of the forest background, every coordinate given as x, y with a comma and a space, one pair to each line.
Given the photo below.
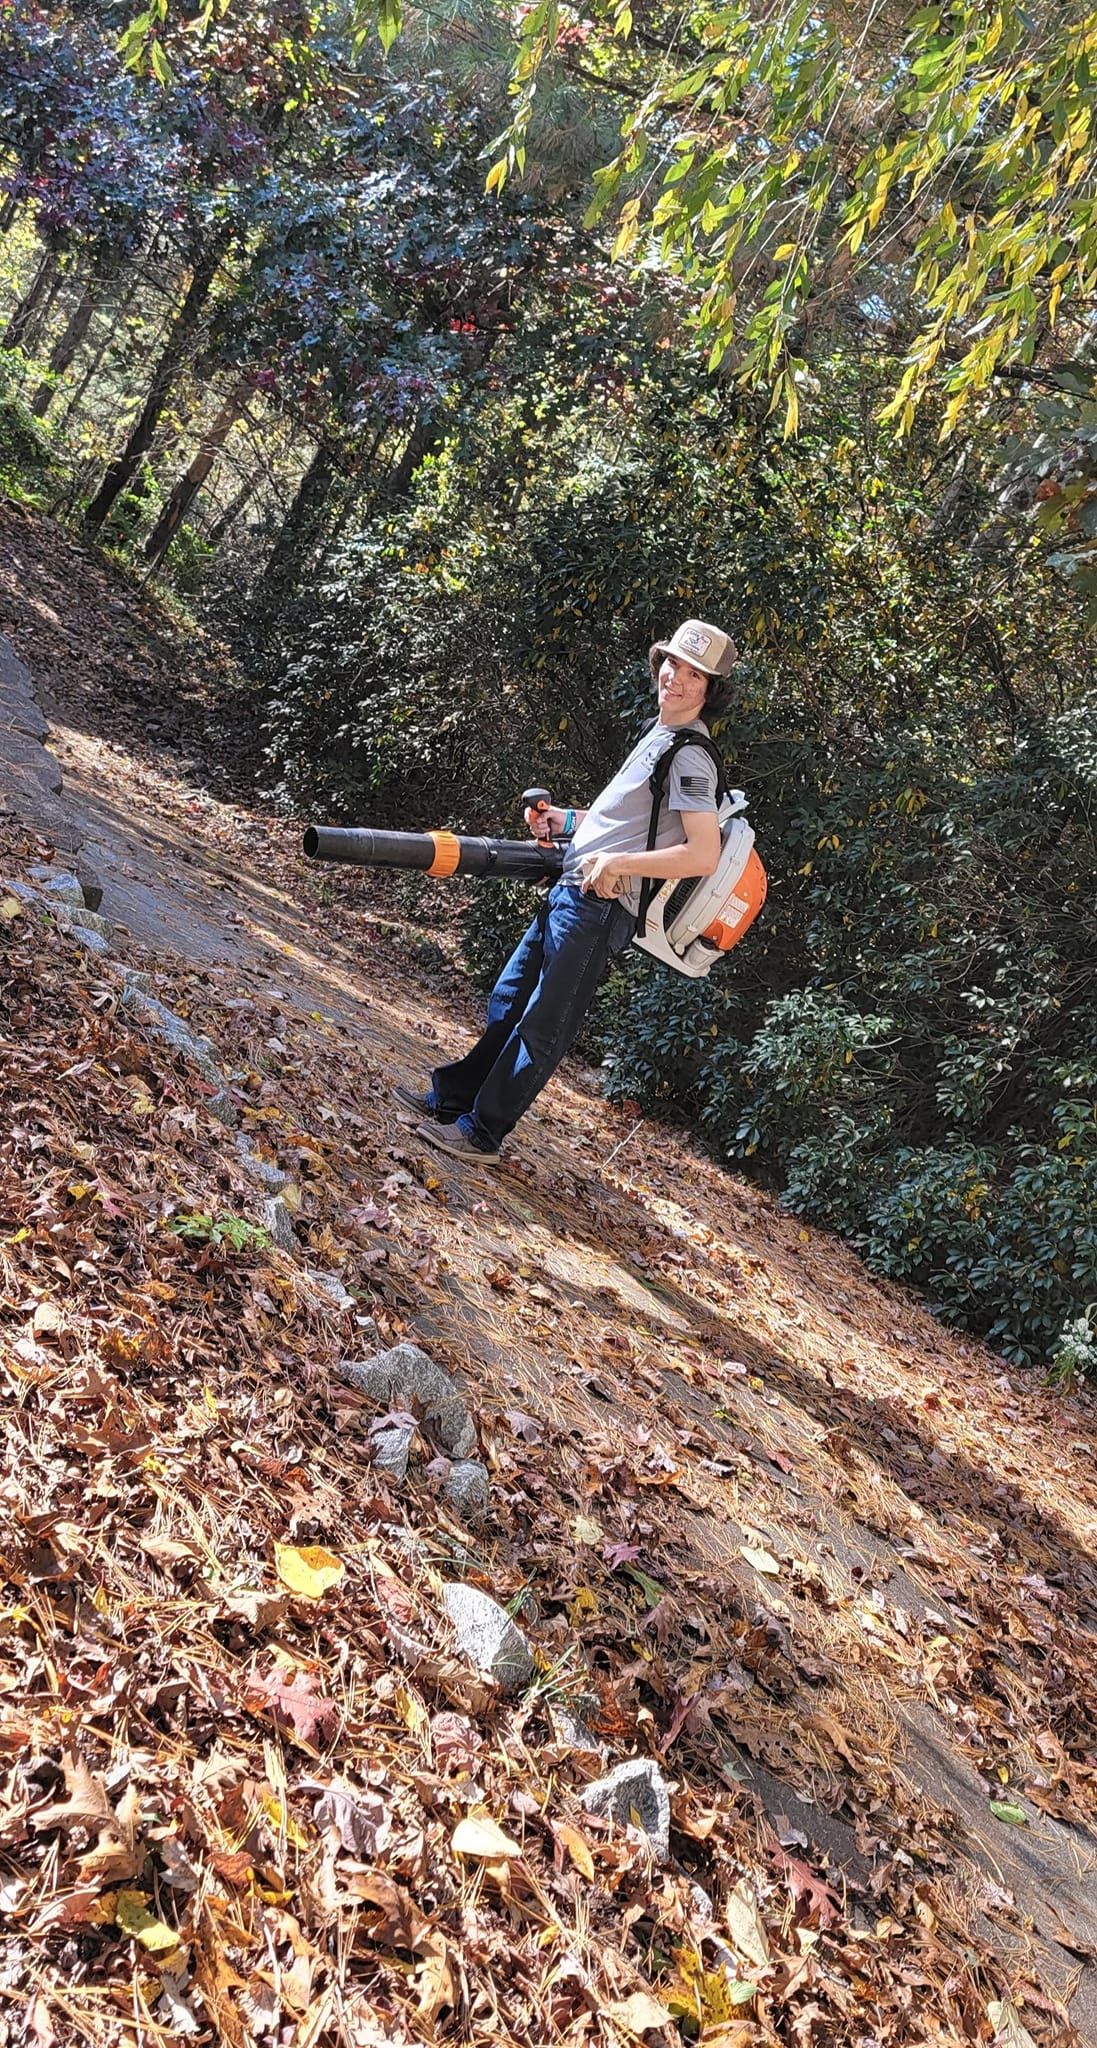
436, 365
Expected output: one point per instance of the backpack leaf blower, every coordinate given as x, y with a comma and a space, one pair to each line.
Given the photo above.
685, 924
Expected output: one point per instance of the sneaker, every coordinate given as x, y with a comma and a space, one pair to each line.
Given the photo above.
417, 1099
452, 1139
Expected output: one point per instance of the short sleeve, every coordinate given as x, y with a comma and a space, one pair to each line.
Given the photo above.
691, 784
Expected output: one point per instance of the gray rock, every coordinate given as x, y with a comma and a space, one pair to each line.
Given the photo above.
19, 712
59, 887
391, 1448
224, 1109
92, 942
74, 917
571, 1727
264, 1171
134, 982
634, 1787
28, 757
23, 795
21, 889
488, 1637
466, 1489
90, 883
406, 1376
275, 1217
166, 1025
330, 1285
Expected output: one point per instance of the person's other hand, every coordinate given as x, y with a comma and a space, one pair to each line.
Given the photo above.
546, 824
602, 877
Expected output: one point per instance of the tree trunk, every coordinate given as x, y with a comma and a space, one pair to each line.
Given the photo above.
8, 211
282, 570
65, 347
38, 289
190, 483
422, 441
233, 509
183, 329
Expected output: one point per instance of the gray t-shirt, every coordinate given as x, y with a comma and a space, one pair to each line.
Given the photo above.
618, 819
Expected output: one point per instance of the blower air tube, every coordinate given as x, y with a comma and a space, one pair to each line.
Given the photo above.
435, 853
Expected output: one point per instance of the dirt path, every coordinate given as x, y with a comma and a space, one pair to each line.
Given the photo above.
876, 1599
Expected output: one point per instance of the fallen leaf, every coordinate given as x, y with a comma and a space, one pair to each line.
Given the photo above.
760, 1560
10, 909
576, 1845
312, 1717
400, 1924
641, 2013
745, 1925
483, 1838
131, 1913
309, 1571
1004, 1809
585, 1530
87, 1805
362, 1820
823, 1905
1010, 2030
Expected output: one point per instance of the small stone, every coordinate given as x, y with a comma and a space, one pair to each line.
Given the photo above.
75, 918
405, 1376
634, 1787
134, 982
571, 1727
222, 1106
264, 1171
488, 1637
59, 887
452, 1425
275, 1217
21, 889
466, 1489
175, 1033
92, 942
331, 1287
391, 1448
90, 884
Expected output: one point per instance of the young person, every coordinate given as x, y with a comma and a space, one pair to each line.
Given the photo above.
540, 1000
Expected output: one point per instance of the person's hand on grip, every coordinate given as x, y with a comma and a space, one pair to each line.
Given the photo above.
546, 821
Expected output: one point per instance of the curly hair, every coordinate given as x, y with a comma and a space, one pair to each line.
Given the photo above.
718, 694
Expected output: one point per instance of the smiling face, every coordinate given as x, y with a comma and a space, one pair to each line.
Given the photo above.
682, 690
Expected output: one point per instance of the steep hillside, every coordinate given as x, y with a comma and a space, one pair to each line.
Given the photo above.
759, 1521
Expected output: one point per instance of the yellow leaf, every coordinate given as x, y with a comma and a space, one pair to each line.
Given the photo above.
412, 1712
282, 1818
576, 1846
142, 1100
291, 1196
761, 1561
10, 909
484, 1838
309, 1571
585, 1530
131, 1914
585, 1602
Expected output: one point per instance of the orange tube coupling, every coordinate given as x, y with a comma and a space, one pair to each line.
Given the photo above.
447, 853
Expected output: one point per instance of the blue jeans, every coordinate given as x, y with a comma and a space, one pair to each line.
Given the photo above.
534, 1014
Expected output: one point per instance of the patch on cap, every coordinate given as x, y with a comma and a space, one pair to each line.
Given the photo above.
691, 640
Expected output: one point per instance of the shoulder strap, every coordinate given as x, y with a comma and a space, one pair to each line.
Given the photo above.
658, 779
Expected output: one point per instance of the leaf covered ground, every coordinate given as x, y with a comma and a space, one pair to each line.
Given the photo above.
761, 1519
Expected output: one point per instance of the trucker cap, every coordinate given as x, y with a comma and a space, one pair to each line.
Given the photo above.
704, 647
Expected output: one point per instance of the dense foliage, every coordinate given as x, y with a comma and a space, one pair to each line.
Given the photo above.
442, 470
